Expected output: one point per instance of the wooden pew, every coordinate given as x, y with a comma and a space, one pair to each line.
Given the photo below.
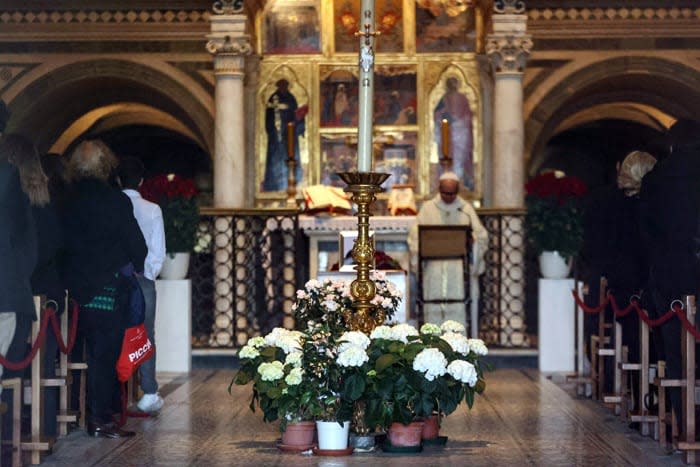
601, 350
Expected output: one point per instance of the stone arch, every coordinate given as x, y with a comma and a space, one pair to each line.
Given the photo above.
635, 79
49, 105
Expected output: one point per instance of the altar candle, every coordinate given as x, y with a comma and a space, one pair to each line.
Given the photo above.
290, 140
366, 62
445, 135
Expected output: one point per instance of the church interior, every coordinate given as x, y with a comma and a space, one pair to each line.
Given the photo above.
259, 103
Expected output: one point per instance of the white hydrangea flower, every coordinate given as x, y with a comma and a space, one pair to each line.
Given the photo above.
330, 305
352, 356
377, 275
294, 358
458, 342
275, 335
463, 371
478, 347
312, 285
289, 343
430, 328
381, 332
301, 295
431, 362
356, 338
400, 332
294, 377
271, 371
256, 342
248, 352
453, 326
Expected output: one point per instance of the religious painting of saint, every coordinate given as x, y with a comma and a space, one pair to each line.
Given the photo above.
338, 154
339, 97
291, 27
281, 110
395, 95
388, 21
444, 27
454, 108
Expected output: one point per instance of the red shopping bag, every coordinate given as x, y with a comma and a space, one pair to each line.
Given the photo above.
136, 349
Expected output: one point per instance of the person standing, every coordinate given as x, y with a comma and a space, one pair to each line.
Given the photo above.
18, 251
443, 279
150, 219
670, 207
102, 238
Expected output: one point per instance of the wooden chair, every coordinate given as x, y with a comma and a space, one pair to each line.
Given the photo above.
601, 350
38, 443
14, 385
439, 243
581, 378
688, 382
66, 369
648, 422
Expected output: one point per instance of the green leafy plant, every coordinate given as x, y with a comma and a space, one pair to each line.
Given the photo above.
415, 374
176, 197
282, 388
554, 220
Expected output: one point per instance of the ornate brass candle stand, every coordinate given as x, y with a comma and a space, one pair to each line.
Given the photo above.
363, 187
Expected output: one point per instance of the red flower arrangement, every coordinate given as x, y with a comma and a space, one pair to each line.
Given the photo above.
176, 197
554, 220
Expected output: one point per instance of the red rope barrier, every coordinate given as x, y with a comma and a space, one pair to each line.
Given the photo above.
587, 308
687, 324
48, 313
48, 316
66, 348
622, 313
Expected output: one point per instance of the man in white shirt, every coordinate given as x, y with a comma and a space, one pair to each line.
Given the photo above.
442, 279
150, 220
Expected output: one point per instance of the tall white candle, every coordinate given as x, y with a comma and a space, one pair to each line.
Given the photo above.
364, 136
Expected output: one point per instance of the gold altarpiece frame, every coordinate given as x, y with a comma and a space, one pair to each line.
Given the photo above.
307, 75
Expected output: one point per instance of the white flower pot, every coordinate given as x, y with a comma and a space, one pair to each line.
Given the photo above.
553, 265
332, 436
175, 266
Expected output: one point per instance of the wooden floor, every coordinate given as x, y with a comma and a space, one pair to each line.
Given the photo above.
522, 419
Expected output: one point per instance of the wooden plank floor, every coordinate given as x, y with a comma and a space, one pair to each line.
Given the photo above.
522, 419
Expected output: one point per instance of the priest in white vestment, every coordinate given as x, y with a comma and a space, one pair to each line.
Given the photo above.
444, 279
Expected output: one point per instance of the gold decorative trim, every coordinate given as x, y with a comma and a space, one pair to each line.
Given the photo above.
105, 17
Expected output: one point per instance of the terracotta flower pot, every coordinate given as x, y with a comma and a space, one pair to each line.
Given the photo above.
431, 428
405, 435
299, 434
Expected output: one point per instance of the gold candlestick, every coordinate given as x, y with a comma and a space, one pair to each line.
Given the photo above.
445, 160
363, 187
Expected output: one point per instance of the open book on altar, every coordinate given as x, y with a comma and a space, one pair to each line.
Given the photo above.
326, 199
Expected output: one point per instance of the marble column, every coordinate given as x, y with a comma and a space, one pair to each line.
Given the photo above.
229, 44
507, 49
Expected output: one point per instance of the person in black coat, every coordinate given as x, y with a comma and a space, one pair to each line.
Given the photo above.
670, 206
101, 237
17, 258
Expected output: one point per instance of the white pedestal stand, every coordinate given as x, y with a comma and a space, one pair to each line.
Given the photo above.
556, 325
173, 326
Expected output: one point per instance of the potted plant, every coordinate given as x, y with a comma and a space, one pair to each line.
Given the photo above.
554, 220
414, 375
282, 388
176, 197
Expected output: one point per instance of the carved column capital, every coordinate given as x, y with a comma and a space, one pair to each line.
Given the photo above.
509, 45
507, 53
228, 43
